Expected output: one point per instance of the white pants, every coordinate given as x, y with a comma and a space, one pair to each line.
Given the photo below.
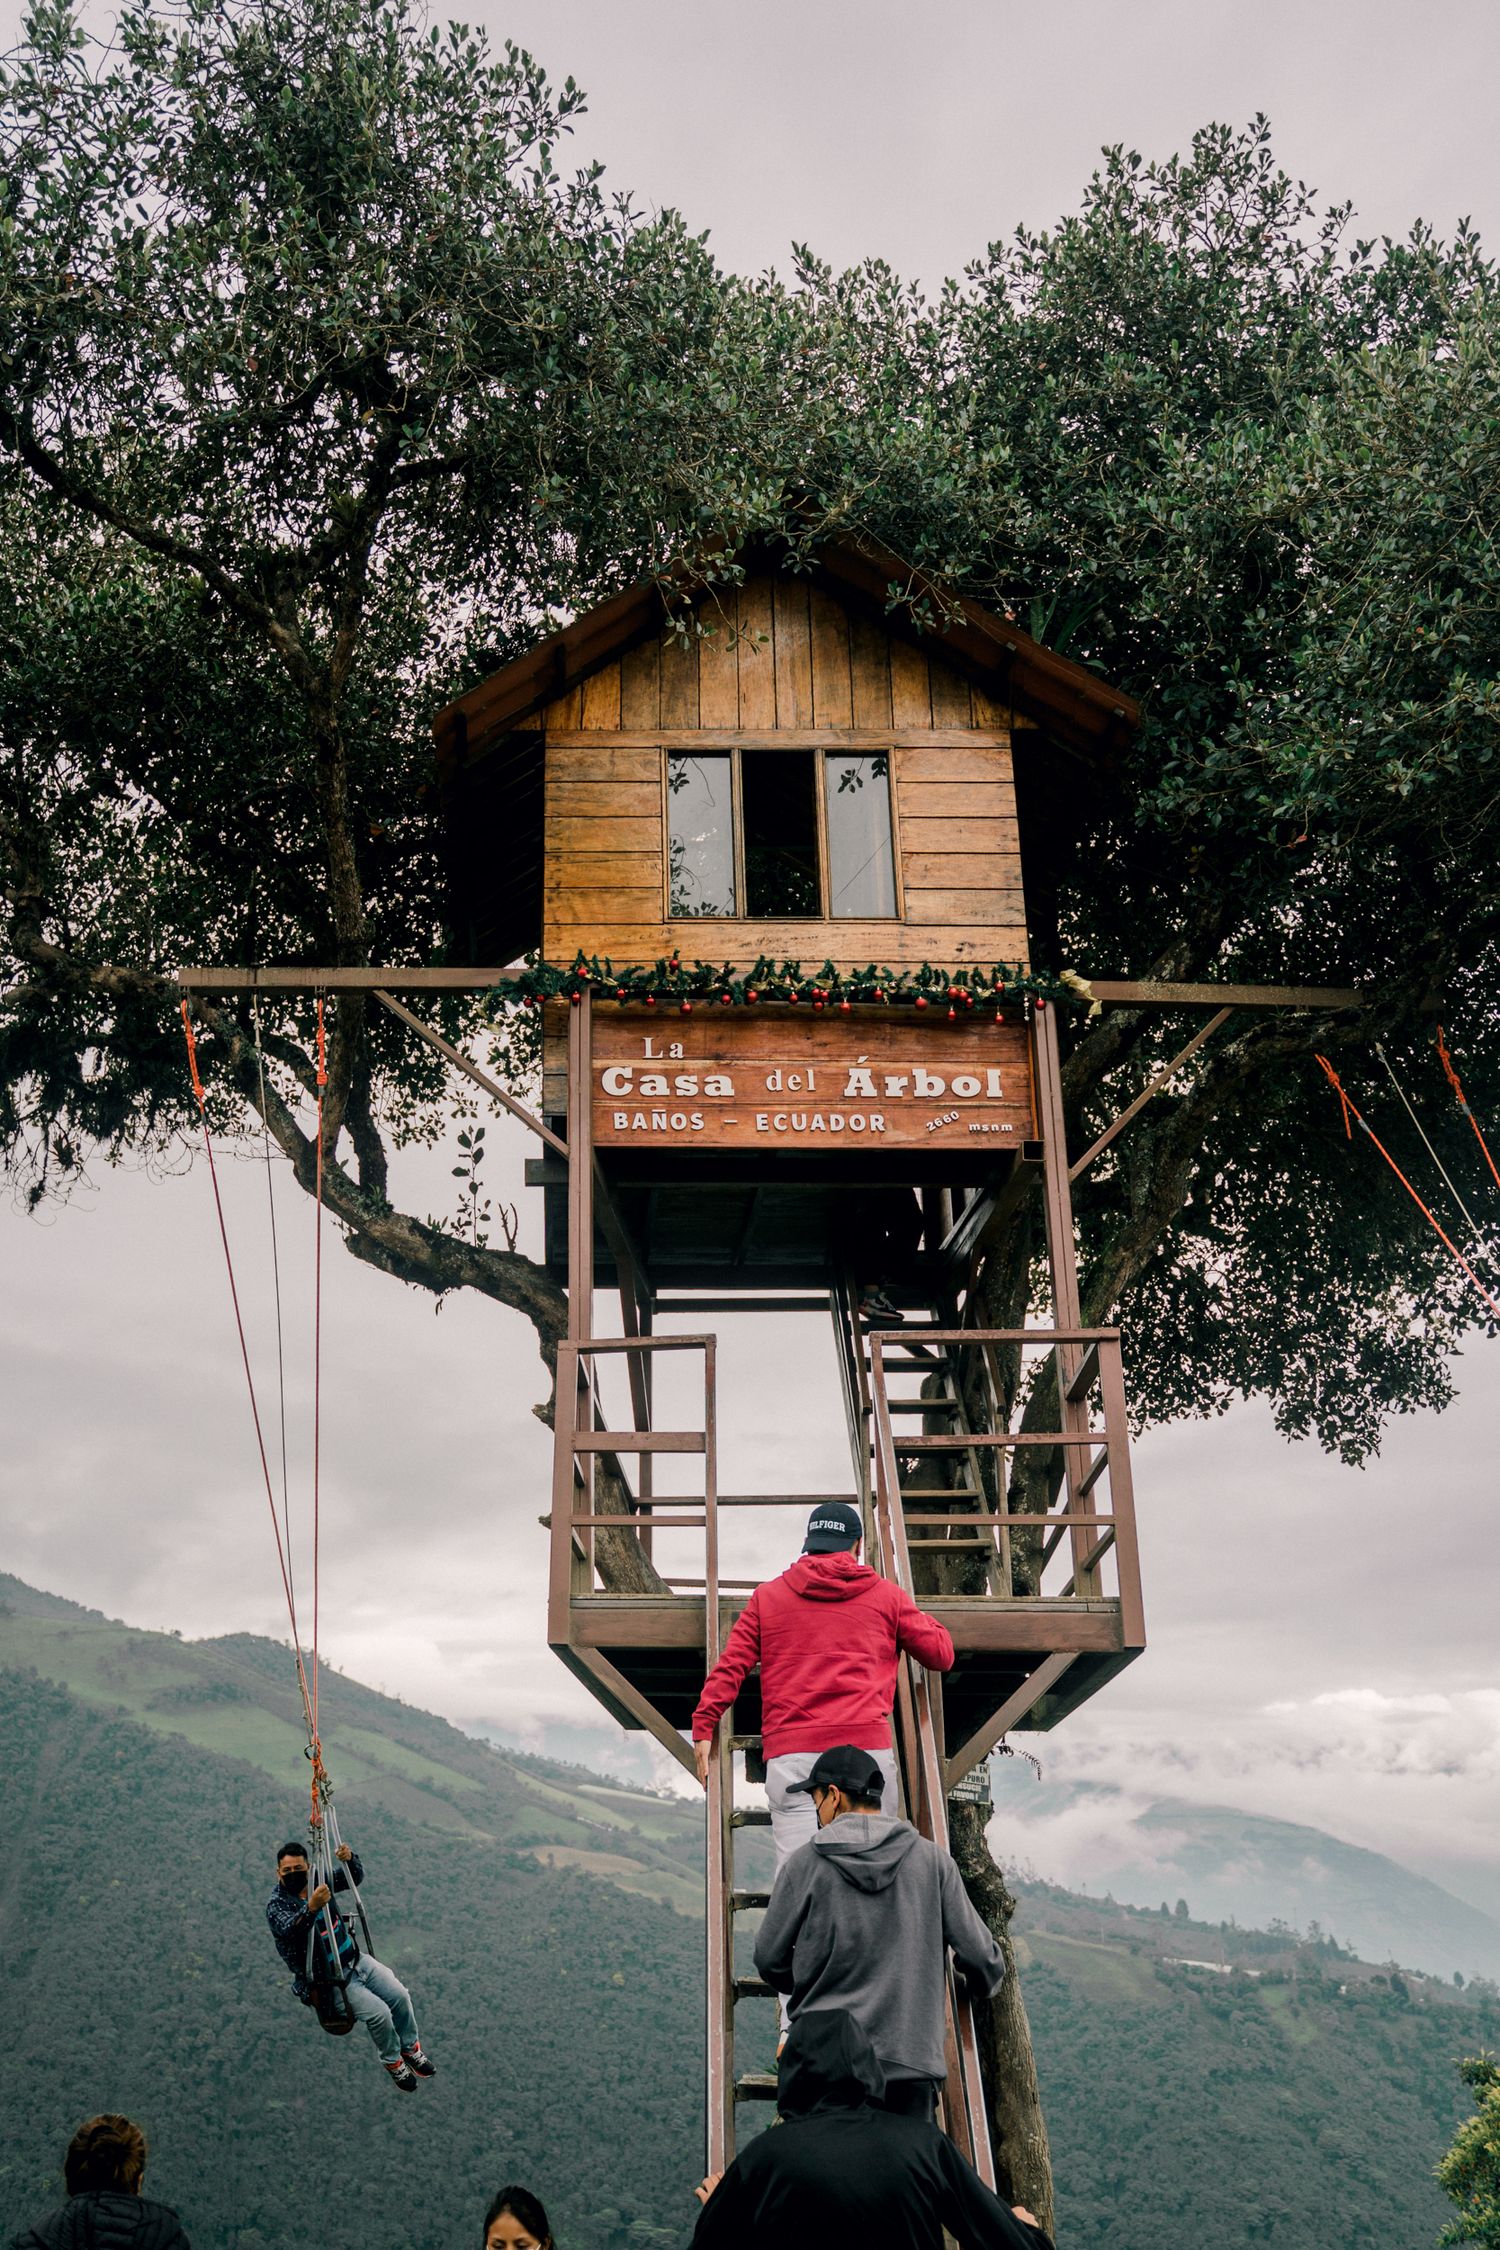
794, 1817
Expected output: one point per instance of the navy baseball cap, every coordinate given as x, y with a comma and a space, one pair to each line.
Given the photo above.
837, 1524
853, 1771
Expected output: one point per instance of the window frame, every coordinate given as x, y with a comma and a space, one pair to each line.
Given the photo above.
819, 753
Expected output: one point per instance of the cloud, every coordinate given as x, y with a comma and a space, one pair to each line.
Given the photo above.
1415, 1776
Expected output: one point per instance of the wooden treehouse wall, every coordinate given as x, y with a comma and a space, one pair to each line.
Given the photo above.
807, 673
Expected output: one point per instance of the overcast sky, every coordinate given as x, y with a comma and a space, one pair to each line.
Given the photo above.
1321, 1638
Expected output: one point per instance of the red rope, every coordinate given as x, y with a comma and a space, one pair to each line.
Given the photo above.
1349, 1110
234, 1297
1452, 1077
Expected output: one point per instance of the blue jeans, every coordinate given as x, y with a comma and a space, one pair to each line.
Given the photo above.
383, 2005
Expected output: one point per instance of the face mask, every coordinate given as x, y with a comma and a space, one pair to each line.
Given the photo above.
295, 1879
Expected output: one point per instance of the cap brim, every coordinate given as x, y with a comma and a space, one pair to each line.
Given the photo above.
824, 1543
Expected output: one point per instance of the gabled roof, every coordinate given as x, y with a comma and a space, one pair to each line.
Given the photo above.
1074, 705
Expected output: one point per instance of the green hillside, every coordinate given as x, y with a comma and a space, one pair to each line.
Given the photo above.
546, 1921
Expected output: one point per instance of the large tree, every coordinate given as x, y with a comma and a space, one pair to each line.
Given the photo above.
322, 388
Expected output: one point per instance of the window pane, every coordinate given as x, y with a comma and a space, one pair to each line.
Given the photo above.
781, 832
700, 827
861, 867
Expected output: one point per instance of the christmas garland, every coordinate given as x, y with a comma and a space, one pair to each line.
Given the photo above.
673, 982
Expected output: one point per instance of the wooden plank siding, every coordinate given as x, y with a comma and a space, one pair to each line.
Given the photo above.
784, 660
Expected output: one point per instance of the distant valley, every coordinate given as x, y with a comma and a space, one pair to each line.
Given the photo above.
1209, 2086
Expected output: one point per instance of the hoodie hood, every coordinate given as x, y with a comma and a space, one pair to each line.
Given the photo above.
827, 2063
867, 1848
831, 1578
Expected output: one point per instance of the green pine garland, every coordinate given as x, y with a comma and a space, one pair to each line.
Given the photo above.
673, 981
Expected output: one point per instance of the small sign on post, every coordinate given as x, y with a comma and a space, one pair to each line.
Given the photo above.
777, 1079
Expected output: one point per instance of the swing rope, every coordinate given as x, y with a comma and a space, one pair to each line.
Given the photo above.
318, 1361
1350, 1110
1452, 1077
320, 1783
1400, 1093
265, 1135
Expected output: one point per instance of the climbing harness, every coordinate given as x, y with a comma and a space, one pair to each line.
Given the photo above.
330, 1982
1350, 1110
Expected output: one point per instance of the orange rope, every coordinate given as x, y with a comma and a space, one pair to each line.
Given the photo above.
1349, 1110
1452, 1077
234, 1297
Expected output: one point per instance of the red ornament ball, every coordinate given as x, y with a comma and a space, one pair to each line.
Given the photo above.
651, 999
574, 998
686, 1009
921, 999
726, 999
1040, 1005
843, 1007
752, 994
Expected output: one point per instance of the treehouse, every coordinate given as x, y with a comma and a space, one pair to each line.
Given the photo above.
799, 863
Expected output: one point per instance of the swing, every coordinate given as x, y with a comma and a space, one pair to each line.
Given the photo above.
326, 1969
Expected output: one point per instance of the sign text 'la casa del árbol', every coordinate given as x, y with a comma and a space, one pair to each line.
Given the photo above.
761, 1079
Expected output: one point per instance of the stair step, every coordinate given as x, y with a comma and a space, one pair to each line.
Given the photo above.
753, 1988
756, 2086
744, 1742
746, 1902
921, 1406
749, 1816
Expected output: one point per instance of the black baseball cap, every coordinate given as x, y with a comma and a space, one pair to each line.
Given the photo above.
853, 1771
834, 1525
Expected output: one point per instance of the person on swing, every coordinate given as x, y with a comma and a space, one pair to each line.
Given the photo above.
827, 1635
375, 1993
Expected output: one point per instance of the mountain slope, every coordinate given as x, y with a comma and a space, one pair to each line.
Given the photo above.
1297, 2097
1246, 1868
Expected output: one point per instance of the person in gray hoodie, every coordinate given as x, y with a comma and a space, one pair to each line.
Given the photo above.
863, 1918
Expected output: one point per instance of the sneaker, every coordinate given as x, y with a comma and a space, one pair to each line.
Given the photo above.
419, 2062
877, 1311
404, 2079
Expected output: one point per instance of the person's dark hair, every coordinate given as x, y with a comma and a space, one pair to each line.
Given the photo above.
518, 2203
105, 2152
293, 1850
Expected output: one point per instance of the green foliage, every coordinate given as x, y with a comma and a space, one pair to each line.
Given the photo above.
1470, 2171
323, 390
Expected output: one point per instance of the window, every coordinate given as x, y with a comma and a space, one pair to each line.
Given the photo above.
779, 795
797, 835
861, 863
700, 822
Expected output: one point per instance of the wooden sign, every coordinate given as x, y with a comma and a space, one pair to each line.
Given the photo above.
789, 1078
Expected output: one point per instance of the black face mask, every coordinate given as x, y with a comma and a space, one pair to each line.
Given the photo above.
295, 1878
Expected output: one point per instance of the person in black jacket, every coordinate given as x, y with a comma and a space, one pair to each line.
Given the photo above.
105, 2210
839, 2173
375, 1993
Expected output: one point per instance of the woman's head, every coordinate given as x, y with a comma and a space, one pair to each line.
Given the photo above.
516, 2221
105, 2153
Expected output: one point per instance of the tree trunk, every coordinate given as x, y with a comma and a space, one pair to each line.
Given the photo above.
1023, 2159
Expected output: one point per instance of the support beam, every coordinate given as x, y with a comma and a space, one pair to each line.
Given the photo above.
1010, 1714
471, 1070
1128, 992
1168, 1070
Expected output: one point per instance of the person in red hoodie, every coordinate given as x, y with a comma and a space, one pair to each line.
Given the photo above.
826, 1635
